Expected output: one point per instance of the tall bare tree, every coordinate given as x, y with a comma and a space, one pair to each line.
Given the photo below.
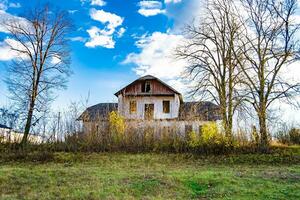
43, 61
209, 51
269, 46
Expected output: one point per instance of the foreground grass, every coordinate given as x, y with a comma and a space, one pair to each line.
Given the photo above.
152, 176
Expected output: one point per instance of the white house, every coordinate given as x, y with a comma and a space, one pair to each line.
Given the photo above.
148, 101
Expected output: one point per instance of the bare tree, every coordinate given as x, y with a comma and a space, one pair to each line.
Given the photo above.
269, 46
209, 51
43, 61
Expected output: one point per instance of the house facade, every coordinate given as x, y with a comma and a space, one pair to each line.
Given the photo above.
150, 102
148, 98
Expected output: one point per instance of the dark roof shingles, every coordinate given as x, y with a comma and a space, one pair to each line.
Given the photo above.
98, 112
206, 111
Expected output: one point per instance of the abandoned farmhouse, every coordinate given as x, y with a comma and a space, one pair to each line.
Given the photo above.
148, 102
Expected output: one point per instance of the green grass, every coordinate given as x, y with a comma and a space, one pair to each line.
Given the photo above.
152, 176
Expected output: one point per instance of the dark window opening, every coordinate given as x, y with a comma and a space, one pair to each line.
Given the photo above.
166, 106
149, 111
146, 87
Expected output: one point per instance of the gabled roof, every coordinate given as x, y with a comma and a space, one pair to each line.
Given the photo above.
145, 78
98, 112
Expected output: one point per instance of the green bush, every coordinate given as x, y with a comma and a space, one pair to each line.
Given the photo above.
294, 136
291, 136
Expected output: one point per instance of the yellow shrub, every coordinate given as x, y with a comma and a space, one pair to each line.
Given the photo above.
209, 132
116, 126
193, 139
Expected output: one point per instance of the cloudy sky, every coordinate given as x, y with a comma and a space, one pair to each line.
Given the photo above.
115, 42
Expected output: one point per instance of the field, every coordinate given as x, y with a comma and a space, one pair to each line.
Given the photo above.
152, 176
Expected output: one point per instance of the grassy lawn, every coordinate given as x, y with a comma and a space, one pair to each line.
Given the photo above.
151, 176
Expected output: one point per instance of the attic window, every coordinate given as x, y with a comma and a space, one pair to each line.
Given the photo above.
146, 87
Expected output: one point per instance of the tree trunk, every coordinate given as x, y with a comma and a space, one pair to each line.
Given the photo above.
264, 143
229, 128
27, 125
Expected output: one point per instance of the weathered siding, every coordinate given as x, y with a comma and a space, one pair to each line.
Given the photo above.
157, 88
140, 126
124, 105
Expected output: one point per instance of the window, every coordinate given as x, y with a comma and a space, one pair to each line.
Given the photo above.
146, 87
149, 111
132, 106
166, 106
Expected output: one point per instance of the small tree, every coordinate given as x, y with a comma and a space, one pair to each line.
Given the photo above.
116, 127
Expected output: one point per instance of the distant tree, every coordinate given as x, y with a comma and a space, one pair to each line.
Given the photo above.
212, 65
8, 117
270, 45
43, 61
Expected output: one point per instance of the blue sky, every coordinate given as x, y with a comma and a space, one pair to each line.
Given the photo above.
113, 43
109, 40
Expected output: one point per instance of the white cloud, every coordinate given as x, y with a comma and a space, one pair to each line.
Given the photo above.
157, 57
121, 32
55, 60
112, 19
98, 3
78, 39
150, 12
172, 1
83, 1
150, 4
97, 38
3, 6
6, 53
150, 8
104, 37
72, 11
185, 13
14, 5
6, 17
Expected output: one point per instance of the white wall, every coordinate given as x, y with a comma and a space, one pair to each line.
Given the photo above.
124, 105
139, 125
12, 136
